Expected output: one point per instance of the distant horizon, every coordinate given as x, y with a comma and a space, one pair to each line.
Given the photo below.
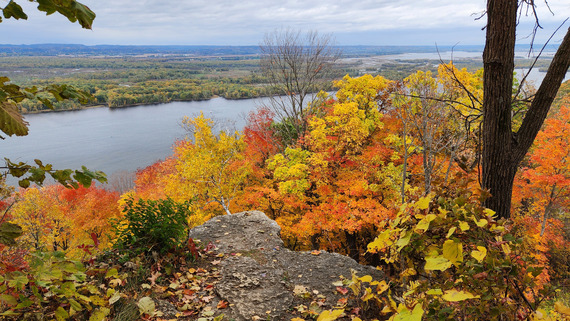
230, 23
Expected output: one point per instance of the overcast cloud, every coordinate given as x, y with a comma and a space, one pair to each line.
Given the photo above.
231, 22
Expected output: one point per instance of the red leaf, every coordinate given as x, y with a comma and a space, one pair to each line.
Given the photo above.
341, 290
192, 248
95, 239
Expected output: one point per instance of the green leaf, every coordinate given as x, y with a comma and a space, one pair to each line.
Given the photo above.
72, 10
10, 313
11, 121
453, 251
456, 296
8, 299
13, 10
18, 281
84, 15
75, 305
9, 232
61, 314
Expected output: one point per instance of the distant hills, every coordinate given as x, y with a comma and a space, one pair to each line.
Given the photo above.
115, 50
215, 51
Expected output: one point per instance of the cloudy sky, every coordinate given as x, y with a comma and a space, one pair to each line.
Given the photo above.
244, 22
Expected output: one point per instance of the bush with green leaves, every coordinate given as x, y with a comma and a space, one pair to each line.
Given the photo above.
53, 286
149, 225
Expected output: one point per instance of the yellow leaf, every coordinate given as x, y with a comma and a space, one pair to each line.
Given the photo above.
464, 226
489, 212
408, 272
453, 251
423, 225
479, 254
382, 287
450, 232
482, 222
506, 248
366, 278
297, 319
328, 315
406, 315
381, 242
561, 308
423, 203
456, 296
437, 263
404, 240
434, 292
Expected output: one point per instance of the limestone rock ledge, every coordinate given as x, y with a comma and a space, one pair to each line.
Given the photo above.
259, 281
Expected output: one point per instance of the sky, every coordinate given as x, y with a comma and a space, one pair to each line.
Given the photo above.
245, 22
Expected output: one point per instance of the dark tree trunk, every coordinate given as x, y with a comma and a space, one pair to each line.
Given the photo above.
502, 149
498, 62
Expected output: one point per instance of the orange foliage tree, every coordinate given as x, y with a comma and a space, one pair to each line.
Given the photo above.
543, 187
338, 186
55, 218
541, 195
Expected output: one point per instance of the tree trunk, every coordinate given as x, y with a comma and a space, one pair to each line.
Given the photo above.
502, 149
498, 64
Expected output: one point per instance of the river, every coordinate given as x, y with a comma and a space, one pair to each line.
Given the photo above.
114, 140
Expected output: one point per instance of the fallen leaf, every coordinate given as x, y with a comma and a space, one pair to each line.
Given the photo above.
316, 252
153, 278
342, 290
222, 304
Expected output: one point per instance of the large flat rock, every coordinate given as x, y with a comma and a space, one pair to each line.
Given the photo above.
259, 276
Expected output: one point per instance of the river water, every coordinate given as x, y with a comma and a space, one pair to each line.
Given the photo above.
113, 140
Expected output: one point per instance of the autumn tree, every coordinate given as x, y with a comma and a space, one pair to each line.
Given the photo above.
544, 186
339, 187
504, 149
209, 167
425, 118
296, 65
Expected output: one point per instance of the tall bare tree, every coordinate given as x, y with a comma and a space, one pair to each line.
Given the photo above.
504, 149
296, 65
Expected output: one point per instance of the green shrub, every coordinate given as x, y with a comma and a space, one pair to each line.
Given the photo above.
152, 225
53, 286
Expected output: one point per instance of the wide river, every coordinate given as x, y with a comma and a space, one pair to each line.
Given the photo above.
113, 140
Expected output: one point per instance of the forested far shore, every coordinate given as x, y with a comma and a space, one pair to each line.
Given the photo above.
133, 81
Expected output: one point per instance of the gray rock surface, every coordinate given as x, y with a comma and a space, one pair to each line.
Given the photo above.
259, 275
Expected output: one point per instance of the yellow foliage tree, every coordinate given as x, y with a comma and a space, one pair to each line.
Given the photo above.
210, 168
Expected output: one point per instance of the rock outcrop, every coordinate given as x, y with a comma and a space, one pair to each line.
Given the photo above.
260, 278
